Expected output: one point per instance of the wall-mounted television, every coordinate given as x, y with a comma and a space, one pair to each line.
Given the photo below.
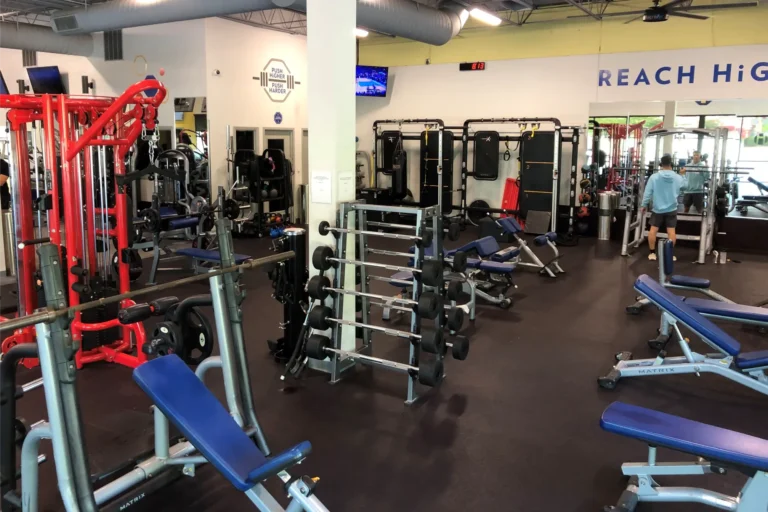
3, 85
371, 81
46, 80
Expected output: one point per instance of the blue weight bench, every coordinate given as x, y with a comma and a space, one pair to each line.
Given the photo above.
204, 422
667, 277
717, 448
510, 226
748, 369
203, 260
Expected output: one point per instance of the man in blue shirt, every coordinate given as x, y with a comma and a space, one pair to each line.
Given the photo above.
663, 188
694, 192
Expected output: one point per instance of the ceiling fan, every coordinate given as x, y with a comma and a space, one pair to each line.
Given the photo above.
679, 8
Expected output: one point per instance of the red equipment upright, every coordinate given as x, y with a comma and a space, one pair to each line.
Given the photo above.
84, 123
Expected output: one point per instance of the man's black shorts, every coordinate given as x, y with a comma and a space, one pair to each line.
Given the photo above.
696, 200
660, 220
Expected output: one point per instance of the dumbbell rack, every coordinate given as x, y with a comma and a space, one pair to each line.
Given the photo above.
423, 218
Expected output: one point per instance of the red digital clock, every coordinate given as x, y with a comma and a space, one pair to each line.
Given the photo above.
472, 66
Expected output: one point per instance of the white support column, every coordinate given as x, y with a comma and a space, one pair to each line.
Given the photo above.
670, 116
331, 53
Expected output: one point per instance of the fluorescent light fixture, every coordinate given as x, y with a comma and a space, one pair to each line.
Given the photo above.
361, 32
463, 16
485, 17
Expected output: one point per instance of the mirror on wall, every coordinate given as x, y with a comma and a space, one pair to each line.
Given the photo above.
191, 136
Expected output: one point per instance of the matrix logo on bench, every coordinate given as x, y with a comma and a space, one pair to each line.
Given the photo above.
276, 80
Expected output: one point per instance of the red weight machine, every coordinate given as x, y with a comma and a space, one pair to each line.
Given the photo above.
78, 130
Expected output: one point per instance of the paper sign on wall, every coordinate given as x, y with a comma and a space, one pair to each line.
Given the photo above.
346, 186
320, 189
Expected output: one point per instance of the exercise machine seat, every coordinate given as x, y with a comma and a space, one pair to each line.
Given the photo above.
484, 247
671, 303
168, 211
727, 309
506, 254
543, 239
688, 436
201, 418
690, 282
215, 256
751, 360
509, 225
186, 222
492, 267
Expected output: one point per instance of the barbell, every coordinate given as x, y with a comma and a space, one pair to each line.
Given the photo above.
429, 373
425, 240
150, 218
431, 273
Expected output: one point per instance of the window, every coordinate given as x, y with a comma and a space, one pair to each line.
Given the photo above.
753, 153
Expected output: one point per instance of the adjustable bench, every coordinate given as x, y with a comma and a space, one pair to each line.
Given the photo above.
668, 279
510, 226
716, 446
748, 369
203, 260
204, 422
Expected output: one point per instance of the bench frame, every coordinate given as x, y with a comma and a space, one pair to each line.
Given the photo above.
719, 363
644, 488
543, 268
64, 425
641, 302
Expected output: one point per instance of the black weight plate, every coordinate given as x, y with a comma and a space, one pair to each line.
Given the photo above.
320, 258
316, 345
431, 372
475, 216
197, 335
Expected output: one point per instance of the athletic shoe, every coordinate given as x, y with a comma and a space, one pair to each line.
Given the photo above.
674, 258
652, 256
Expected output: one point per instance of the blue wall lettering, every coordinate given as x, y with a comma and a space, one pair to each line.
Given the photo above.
686, 75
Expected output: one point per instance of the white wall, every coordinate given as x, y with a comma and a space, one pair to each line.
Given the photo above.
567, 88
235, 98
516, 88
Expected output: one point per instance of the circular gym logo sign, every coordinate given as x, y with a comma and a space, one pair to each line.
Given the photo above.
276, 80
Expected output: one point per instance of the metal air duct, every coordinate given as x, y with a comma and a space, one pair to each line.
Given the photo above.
23, 36
119, 14
405, 18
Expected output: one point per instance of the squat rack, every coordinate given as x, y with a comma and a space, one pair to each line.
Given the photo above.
522, 122
84, 123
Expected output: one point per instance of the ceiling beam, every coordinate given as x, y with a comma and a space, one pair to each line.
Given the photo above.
578, 5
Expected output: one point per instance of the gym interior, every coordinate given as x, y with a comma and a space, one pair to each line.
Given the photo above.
384, 255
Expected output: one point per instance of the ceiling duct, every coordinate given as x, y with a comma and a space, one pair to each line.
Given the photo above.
23, 36
119, 14
403, 18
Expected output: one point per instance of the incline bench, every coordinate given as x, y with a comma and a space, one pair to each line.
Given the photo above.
747, 368
716, 446
510, 226
205, 423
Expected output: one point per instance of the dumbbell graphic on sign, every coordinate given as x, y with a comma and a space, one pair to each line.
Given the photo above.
276, 80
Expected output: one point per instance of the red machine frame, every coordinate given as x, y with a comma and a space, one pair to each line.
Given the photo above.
116, 122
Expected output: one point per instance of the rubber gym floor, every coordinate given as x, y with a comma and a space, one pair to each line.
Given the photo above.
515, 427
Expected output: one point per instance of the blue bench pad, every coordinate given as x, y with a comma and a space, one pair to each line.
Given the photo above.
506, 254
509, 225
749, 360
201, 418
202, 254
484, 247
692, 282
543, 239
493, 267
168, 211
187, 222
660, 429
686, 314
727, 309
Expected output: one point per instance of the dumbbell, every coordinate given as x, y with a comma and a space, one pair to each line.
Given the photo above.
431, 273
430, 340
428, 305
425, 240
429, 373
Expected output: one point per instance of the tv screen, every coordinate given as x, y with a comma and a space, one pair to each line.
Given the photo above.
3, 85
371, 81
46, 80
